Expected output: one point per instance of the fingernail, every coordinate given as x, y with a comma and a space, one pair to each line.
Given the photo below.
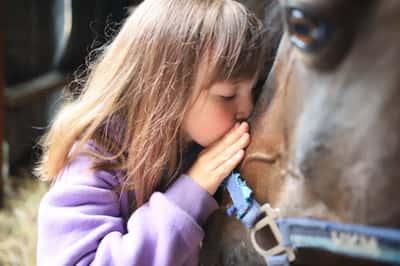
237, 124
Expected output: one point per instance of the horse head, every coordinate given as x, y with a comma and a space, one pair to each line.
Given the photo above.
326, 127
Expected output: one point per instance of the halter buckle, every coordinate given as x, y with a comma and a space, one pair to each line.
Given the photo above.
269, 220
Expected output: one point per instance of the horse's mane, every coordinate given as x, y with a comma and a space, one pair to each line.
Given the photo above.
273, 24
274, 29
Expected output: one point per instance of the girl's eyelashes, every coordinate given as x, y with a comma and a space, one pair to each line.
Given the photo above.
228, 98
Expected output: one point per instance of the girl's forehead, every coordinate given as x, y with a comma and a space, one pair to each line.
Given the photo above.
206, 76
232, 85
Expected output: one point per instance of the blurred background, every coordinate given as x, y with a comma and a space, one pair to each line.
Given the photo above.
43, 45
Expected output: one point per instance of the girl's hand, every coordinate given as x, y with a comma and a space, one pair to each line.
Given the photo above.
218, 160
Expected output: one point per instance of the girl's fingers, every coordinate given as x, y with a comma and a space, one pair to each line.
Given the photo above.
215, 162
229, 139
225, 168
241, 143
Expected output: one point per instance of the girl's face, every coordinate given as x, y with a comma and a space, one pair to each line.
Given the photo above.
216, 110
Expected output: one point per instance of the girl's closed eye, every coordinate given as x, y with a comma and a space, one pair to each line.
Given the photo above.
228, 97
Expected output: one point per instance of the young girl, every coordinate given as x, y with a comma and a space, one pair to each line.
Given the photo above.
137, 156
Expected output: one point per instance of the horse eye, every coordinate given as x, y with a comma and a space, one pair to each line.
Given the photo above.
306, 32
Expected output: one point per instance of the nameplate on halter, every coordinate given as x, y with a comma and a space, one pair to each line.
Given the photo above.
356, 243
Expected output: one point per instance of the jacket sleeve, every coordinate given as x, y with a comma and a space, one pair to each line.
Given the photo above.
81, 222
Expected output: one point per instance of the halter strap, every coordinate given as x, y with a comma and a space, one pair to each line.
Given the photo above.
247, 209
359, 241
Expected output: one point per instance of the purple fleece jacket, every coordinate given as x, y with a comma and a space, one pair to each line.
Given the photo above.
83, 221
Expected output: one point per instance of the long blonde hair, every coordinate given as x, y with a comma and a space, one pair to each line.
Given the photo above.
138, 89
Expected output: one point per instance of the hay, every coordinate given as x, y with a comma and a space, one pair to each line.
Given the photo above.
18, 233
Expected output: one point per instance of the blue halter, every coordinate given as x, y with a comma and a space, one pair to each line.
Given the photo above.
247, 209
359, 241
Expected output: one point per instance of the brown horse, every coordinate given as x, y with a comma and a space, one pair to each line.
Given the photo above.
326, 127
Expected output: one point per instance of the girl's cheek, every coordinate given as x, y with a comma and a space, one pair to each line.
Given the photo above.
216, 129
214, 122
225, 122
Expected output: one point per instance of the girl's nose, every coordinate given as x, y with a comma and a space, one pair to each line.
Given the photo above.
244, 109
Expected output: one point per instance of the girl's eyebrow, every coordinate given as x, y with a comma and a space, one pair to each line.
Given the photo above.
224, 89
238, 80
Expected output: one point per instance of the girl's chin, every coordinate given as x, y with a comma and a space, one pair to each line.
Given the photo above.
204, 141
209, 142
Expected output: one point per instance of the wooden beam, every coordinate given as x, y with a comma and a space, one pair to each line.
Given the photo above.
2, 107
35, 89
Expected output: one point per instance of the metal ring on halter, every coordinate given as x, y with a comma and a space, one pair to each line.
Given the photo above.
269, 220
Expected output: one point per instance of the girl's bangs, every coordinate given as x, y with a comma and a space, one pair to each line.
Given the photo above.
237, 53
